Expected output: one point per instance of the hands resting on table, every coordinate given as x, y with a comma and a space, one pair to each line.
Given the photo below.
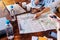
45, 10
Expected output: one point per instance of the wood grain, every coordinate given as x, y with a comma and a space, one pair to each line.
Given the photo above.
8, 2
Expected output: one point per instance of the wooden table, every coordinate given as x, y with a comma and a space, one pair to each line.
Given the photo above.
18, 36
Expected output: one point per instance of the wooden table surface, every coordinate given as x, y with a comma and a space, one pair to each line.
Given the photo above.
18, 36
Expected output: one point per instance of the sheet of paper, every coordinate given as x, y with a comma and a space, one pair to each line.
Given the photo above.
28, 25
2, 23
18, 9
31, 26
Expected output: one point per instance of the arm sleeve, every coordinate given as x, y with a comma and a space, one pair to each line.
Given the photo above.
54, 4
32, 3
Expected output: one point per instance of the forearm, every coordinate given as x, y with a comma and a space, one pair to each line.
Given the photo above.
45, 10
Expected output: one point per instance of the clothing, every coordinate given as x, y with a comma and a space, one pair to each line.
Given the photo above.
54, 5
36, 6
47, 2
44, 3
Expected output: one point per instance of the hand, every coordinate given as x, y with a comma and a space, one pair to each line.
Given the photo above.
37, 15
35, 10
